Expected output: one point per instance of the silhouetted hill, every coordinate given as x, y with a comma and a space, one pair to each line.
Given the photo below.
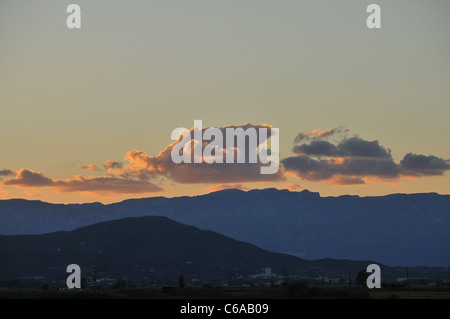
397, 229
147, 246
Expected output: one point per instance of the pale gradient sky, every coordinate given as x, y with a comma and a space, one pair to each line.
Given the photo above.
136, 70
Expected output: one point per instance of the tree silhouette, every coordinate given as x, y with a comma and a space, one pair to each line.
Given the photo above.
181, 281
121, 284
361, 278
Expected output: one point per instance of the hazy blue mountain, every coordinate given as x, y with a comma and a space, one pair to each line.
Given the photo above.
143, 247
396, 229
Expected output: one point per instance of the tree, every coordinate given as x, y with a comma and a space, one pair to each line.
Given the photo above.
181, 281
361, 278
121, 284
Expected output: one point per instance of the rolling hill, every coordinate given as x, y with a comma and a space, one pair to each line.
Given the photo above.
145, 247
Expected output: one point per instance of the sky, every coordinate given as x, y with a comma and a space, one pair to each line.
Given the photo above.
87, 114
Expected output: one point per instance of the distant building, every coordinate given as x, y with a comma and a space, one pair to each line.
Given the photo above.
266, 273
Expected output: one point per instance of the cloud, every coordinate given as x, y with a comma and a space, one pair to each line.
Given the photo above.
138, 169
318, 134
422, 165
308, 168
6, 172
146, 167
293, 187
369, 166
34, 195
3, 192
105, 185
354, 146
92, 167
347, 180
316, 148
319, 156
220, 187
351, 161
114, 169
111, 164
27, 178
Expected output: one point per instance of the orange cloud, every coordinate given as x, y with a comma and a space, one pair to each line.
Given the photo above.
138, 169
349, 161
34, 195
27, 178
346, 180
352, 161
145, 167
92, 167
106, 184
113, 168
112, 164
336, 160
220, 187
3, 192
381, 180
292, 187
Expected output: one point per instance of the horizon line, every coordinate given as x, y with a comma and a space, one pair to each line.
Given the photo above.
222, 190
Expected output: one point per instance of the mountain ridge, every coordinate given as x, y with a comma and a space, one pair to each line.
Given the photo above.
396, 229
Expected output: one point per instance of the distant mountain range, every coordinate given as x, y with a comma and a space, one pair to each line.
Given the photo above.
154, 247
398, 229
